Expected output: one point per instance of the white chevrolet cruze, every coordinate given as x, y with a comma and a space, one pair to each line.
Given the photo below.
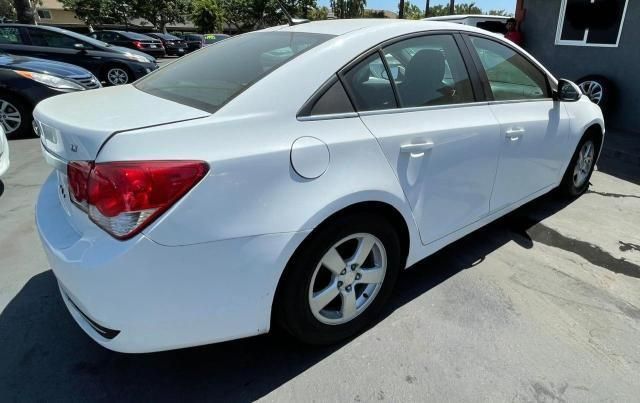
285, 177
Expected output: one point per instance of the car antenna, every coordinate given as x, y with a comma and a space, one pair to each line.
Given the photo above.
292, 21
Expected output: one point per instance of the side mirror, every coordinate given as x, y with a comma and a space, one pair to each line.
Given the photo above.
80, 47
568, 91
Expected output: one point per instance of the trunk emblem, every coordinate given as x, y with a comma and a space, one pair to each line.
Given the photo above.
74, 148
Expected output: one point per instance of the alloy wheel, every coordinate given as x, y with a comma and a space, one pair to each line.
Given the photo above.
347, 279
593, 90
10, 117
583, 164
117, 76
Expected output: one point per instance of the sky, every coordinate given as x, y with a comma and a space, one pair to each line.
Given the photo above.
392, 5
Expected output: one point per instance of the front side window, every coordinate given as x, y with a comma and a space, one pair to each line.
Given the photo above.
429, 70
212, 77
41, 37
369, 85
10, 36
510, 75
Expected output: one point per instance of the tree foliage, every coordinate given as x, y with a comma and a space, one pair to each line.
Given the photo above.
412, 11
207, 15
93, 12
7, 10
348, 8
161, 13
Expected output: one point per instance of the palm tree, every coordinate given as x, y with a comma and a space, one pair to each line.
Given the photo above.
452, 6
401, 9
426, 9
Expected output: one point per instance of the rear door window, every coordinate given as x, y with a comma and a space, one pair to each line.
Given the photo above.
369, 85
212, 77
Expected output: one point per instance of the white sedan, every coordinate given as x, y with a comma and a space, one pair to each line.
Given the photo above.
285, 177
4, 154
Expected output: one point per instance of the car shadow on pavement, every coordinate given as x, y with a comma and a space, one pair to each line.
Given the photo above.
44, 355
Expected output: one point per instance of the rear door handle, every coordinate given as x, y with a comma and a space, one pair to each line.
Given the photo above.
417, 148
514, 133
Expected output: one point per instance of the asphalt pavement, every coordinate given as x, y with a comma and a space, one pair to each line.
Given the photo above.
542, 305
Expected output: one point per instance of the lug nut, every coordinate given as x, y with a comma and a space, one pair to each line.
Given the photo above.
343, 272
348, 288
354, 267
358, 276
339, 284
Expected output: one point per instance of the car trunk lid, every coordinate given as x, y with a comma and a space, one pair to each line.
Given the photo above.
75, 126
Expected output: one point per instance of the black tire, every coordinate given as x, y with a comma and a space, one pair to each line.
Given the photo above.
598, 88
292, 310
113, 67
568, 187
16, 104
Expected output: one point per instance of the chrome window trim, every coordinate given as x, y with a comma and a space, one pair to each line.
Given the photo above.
517, 101
421, 108
331, 116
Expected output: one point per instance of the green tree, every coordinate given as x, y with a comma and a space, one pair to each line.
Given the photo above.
161, 13
319, 13
95, 12
348, 8
467, 8
207, 15
25, 13
411, 11
500, 12
7, 10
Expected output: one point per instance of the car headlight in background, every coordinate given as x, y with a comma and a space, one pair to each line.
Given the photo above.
51, 81
138, 58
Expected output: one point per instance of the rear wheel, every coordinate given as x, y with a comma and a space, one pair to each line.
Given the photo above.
576, 179
15, 116
117, 75
340, 279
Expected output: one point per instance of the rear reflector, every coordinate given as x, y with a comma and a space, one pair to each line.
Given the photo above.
125, 197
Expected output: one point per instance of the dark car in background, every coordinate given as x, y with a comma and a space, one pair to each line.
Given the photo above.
213, 38
173, 45
111, 64
194, 41
25, 81
132, 40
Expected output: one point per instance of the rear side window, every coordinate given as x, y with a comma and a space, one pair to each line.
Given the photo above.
11, 36
369, 85
213, 76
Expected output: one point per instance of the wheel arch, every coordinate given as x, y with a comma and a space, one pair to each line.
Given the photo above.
383, 208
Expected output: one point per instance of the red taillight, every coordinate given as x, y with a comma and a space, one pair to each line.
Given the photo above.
137, 44
78, 176
124, 197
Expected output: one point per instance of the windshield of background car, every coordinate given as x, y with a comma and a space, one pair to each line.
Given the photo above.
213, 76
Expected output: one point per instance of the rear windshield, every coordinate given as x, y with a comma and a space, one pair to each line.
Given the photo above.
213, 76
135, 35
166, 37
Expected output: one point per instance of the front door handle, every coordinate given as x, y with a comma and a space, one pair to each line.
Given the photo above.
514, 133
417, 148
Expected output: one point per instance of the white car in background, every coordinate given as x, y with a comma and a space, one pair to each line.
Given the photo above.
4, 153
492, 23
292, 175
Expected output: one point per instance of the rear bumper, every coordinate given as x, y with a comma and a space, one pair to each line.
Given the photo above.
139, 296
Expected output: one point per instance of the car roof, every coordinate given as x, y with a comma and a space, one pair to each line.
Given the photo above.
463, 16
345, 26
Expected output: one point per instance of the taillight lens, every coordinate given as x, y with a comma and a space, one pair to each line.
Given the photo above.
125, 197
78, 176
137, 44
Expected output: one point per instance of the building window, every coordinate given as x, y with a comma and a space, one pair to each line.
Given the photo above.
591, 22
44, 14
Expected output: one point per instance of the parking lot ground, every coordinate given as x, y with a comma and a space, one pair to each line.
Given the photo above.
542, 305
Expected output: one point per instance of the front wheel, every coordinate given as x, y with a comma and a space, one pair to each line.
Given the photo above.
576, 178
15, 116
338, 282
117, 75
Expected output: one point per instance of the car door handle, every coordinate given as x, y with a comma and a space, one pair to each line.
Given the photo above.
417, 148
514, 133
